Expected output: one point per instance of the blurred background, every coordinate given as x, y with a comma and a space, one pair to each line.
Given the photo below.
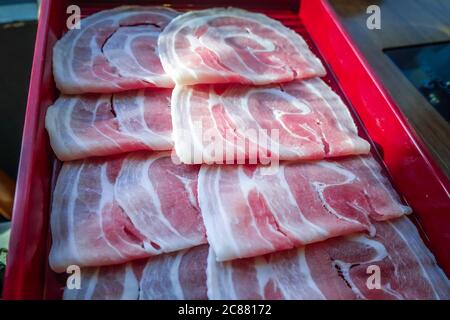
17, 33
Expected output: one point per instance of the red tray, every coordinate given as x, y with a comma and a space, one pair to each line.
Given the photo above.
411, 169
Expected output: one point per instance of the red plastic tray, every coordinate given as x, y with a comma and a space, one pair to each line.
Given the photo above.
413, 172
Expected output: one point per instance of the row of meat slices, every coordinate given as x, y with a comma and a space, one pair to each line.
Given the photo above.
208, 123
145, 80
137, 47
338, 268
109, 211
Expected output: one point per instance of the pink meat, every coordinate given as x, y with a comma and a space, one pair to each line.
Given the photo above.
114, 50
109, 211
310, 120
248, 212
224, 45
99, 125
338, 268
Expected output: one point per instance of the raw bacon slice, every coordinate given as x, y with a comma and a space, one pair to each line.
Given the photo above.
333, 269
112, 211
176, 276
113, 50
338, 268
180, 275
216, 124
118, 282
248, 212
99, 125
233, 45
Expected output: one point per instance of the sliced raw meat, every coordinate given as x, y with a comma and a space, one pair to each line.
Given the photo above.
233, 45
115, 210
179, 275
113, 50
340, 268
248, 212
99, 125
227, 124
118, 282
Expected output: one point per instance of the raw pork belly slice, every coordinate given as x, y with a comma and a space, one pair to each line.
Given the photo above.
337, 269
312, 122
233, 45
333, 269
112, 211
248, 212
179, 275
114, 50
118, 282
99, 125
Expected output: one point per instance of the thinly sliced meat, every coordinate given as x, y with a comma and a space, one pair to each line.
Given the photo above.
118, 282
179, 275
248, 212
224, 45
338, 268
113, 50
176, 276
99, 125
109, 211
293, 121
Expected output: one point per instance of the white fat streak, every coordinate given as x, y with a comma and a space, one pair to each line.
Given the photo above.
313, 231
219, 281
96, 128
147, 136
130, 285
107, 193
91, 284
155, 199
416, 238
187, 186
370, 163
174, 274
213, 211
264, 273
306, 273
212, 100
72, 247
246, 184
68, 127
276, 147
181, 114
381, 253
320, 187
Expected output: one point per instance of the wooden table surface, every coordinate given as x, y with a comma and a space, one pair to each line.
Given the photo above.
403, 23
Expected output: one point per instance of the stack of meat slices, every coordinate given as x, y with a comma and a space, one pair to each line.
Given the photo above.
248, 180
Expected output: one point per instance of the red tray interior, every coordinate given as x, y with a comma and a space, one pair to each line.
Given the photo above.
393, 142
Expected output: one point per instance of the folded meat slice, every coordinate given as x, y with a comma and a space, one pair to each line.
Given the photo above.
107, 124
248, 212
224, 45
110, 211
113, 50
292, 121
339, 268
